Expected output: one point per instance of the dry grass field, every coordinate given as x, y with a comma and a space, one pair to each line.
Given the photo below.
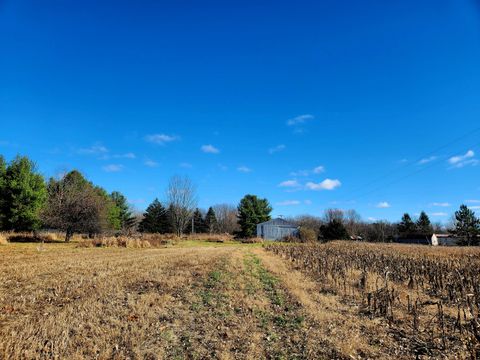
188, 300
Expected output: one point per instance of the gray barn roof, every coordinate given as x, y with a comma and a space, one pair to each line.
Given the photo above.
278, 222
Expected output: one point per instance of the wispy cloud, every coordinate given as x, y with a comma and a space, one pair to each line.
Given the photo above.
438, 214
427, 160
460, 161
327, 184
276, 149
371, 219
96, 149
289, 184
185, 165
113, 168
472, 201
161, 139
210, 149
383, 205
288, 203
476, 207
299, 120
441, 204
244, 169
151, 163
128, 155
316, 170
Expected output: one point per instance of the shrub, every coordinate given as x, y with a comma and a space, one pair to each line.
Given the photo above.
307, 235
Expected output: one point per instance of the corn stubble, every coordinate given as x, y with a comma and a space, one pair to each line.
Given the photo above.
427, 298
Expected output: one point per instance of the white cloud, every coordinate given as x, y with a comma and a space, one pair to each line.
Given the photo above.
441, 204
427, 160
301, 119
185, 165
244, 169
128, 155
437, 214
372, 219
150, 163
460, 161
471, 201
300, 173
288, 203
210, 149
276, 149
476, 207
161, 139
327, 184
308, 202
383, 205
93, 150
317, 170
289, 183
113, 168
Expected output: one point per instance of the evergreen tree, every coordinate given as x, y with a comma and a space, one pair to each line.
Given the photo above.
334, 230
251, 212
211, 223
467, 226
406, 225
198, 223
125, 217
424, 226
23, 195
3, 169
155, 219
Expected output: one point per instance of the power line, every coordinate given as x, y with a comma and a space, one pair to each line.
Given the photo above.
429, 154
427, 167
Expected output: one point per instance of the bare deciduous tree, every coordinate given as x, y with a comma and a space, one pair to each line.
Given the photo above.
334, 214
182, 201
74, 206
352, 222
227, 218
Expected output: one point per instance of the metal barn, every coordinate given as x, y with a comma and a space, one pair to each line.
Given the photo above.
276, 229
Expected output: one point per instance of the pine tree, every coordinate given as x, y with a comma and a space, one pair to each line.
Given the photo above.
406, 226
198, 223
156, 219
125, 217
3, 169
467, 226
424, 226
211, 223
251, 212
334, 230
23, 195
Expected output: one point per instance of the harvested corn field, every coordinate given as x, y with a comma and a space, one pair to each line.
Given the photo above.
212, 301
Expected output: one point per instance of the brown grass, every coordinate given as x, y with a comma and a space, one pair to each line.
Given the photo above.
205, 300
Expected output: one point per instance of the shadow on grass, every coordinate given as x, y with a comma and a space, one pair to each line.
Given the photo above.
32, 239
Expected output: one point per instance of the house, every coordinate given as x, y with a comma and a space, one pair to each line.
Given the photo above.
276, 229
444, 240
427, 239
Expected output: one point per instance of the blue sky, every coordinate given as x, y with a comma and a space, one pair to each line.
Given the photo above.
371, 105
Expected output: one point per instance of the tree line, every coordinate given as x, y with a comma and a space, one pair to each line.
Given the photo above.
73, 204
342, 225
70, 203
